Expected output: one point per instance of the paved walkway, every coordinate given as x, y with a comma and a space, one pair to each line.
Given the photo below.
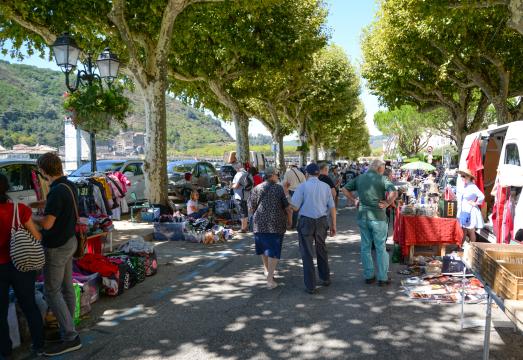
211, 303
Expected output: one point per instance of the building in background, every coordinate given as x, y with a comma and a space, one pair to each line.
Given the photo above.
22, 151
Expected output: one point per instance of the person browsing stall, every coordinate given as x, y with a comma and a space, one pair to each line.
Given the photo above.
23, 283
242, 185
313, 200
470, 198
59, 240
372, 220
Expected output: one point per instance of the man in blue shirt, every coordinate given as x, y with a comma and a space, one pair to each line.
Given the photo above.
313, 200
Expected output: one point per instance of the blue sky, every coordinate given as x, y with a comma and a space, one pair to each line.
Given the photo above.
346, 20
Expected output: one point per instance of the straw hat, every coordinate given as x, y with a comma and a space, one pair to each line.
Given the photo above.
466, 172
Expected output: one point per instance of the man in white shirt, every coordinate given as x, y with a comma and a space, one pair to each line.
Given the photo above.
291, 180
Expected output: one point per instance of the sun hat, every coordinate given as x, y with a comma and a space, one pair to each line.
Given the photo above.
466, 172
313, 169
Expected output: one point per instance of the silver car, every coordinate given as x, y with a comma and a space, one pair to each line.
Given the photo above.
133, 169
18, 172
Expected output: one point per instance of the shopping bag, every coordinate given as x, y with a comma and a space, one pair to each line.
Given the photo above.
27, 253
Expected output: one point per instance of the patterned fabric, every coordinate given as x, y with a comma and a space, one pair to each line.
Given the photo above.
424, 230
267, 204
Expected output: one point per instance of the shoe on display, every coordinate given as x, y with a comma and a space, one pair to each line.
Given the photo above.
64, 347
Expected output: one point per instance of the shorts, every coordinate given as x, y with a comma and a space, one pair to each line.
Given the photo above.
241, 205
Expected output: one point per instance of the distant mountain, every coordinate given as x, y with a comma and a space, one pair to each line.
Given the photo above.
31, 112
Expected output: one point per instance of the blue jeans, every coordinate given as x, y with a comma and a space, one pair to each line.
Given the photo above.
374, 232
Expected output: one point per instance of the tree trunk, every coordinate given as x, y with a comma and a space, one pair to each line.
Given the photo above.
155, 141
303, 153
502, 113
279, 156
314, 151
277, 137
241, 124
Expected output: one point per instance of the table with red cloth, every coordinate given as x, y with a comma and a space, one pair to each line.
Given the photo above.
410, 230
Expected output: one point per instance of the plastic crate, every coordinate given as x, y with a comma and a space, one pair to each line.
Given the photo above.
150, 214
169, 231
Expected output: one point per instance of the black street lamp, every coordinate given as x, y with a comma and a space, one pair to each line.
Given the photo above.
66, 54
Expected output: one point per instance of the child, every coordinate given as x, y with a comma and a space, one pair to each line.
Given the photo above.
193, 206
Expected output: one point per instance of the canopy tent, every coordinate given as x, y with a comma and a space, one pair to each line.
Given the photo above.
418, 165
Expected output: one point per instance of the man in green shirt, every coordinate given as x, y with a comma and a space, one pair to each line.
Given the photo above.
376, 193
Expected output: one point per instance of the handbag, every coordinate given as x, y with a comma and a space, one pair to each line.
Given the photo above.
464, 218
79, 230
27, 253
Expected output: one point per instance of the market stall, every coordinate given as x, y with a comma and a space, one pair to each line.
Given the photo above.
422, 230
94, 275
500, 269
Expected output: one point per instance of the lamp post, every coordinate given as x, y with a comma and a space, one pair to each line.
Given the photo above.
66, 54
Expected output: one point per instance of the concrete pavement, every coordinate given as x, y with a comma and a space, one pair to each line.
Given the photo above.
212, 303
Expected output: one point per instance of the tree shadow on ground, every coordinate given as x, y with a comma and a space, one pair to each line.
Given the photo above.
224, 311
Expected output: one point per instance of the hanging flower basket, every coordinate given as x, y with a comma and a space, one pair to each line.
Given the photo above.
93, 108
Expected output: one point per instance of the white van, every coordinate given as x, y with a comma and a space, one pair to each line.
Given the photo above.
502, 149
256, 159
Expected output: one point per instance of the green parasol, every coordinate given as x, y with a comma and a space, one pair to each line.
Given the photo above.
418, 165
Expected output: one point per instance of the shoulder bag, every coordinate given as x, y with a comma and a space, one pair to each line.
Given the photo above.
27, 253
81, 237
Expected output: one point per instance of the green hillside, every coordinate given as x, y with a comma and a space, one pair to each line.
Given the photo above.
31, 112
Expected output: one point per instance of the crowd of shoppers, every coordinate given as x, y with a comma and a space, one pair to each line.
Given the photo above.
307, 200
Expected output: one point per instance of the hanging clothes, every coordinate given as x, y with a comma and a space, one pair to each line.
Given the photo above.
507, 229
105, 185
475, 163
518, 213
100, 186
123, 180
502, 193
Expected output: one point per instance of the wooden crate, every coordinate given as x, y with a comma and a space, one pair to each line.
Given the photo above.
492, 259
509, 281
475, 253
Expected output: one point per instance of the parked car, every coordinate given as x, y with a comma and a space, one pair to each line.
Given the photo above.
18, 173
184, 175
133, 169
226, 174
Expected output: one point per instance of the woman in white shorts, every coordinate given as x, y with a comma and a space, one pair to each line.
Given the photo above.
469, 202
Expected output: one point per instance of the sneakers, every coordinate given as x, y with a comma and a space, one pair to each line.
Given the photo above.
370, 281
64, 347
311, 291
384, 282
325, 283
